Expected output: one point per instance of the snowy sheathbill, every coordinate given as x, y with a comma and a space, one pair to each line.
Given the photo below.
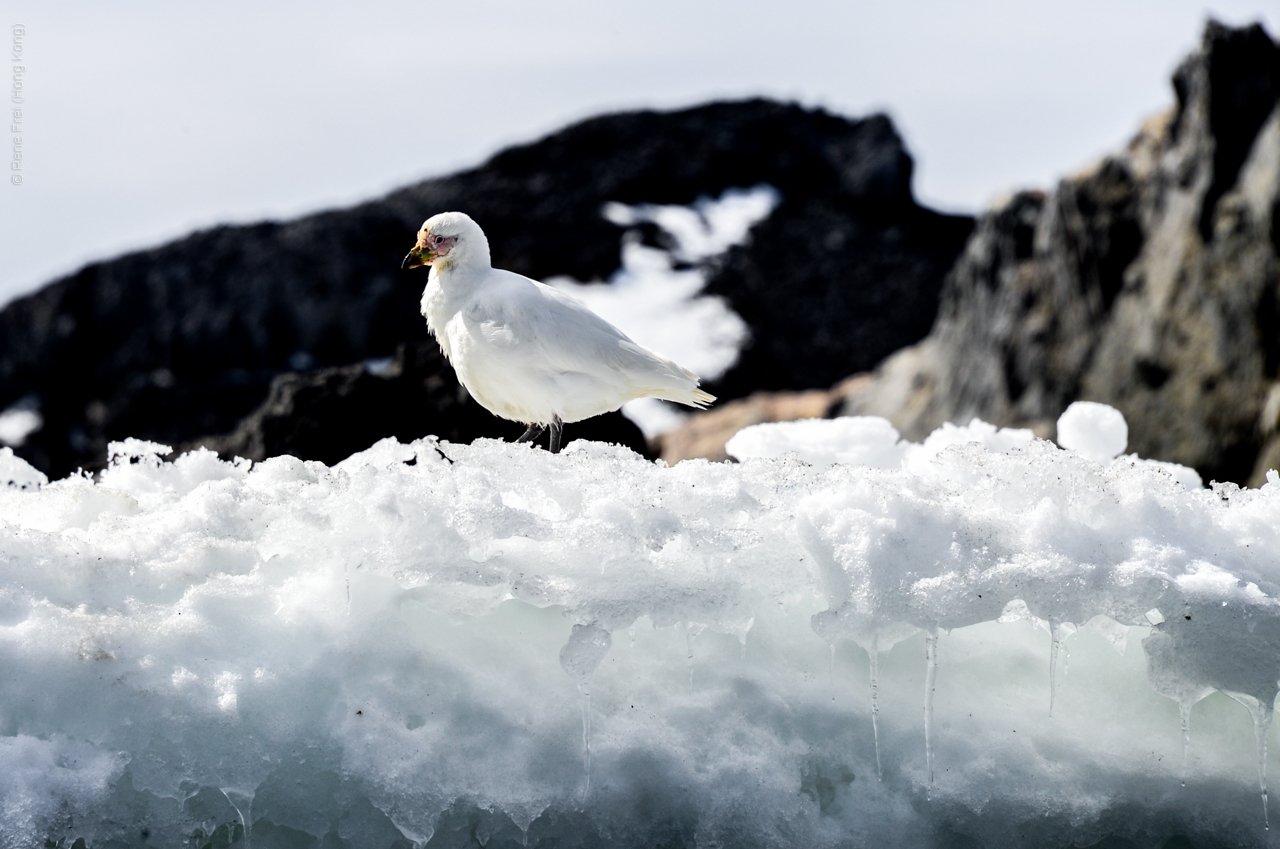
528, 352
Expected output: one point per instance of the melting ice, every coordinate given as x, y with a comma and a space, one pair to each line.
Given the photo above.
424, 645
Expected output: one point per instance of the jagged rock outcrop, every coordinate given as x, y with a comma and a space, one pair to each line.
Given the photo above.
833, 277
1150, 283
186, 339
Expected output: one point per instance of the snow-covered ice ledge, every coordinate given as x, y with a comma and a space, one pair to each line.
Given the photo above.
402, 649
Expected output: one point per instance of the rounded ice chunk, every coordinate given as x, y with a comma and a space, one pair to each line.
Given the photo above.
1093, 430
851, 440
17, 423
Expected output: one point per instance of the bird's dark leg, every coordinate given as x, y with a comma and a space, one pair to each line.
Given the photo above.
534, 431
557, 427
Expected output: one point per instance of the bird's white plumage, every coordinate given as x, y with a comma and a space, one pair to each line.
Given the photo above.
528, 352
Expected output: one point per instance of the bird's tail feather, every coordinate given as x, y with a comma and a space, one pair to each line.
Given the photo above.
689, 397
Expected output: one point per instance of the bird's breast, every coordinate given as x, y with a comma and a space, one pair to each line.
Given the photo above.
439, 312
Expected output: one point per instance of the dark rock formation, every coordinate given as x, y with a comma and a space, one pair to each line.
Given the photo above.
186, 339
838, 278
1150, 283
329, 414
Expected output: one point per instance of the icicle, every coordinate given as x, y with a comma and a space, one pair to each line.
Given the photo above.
688, 645
586, 739
587, 646
832, 669
1184, 710
1058, 633
930, 676
1055, 646
1261, 712
243, 803
1261, 725
522, 815
691, 630
875, 706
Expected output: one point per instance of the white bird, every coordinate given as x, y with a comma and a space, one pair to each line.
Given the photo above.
528, 352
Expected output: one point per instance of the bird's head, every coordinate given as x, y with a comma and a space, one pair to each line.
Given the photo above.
450, 238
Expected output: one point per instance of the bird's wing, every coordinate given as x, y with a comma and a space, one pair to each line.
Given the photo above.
560, 330
548, 348
513, 310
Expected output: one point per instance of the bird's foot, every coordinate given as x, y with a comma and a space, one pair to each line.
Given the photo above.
557, 428
532, 433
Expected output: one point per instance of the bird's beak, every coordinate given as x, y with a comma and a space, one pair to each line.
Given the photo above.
416, 257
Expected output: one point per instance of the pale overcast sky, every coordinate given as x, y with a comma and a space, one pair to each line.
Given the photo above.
144, 121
